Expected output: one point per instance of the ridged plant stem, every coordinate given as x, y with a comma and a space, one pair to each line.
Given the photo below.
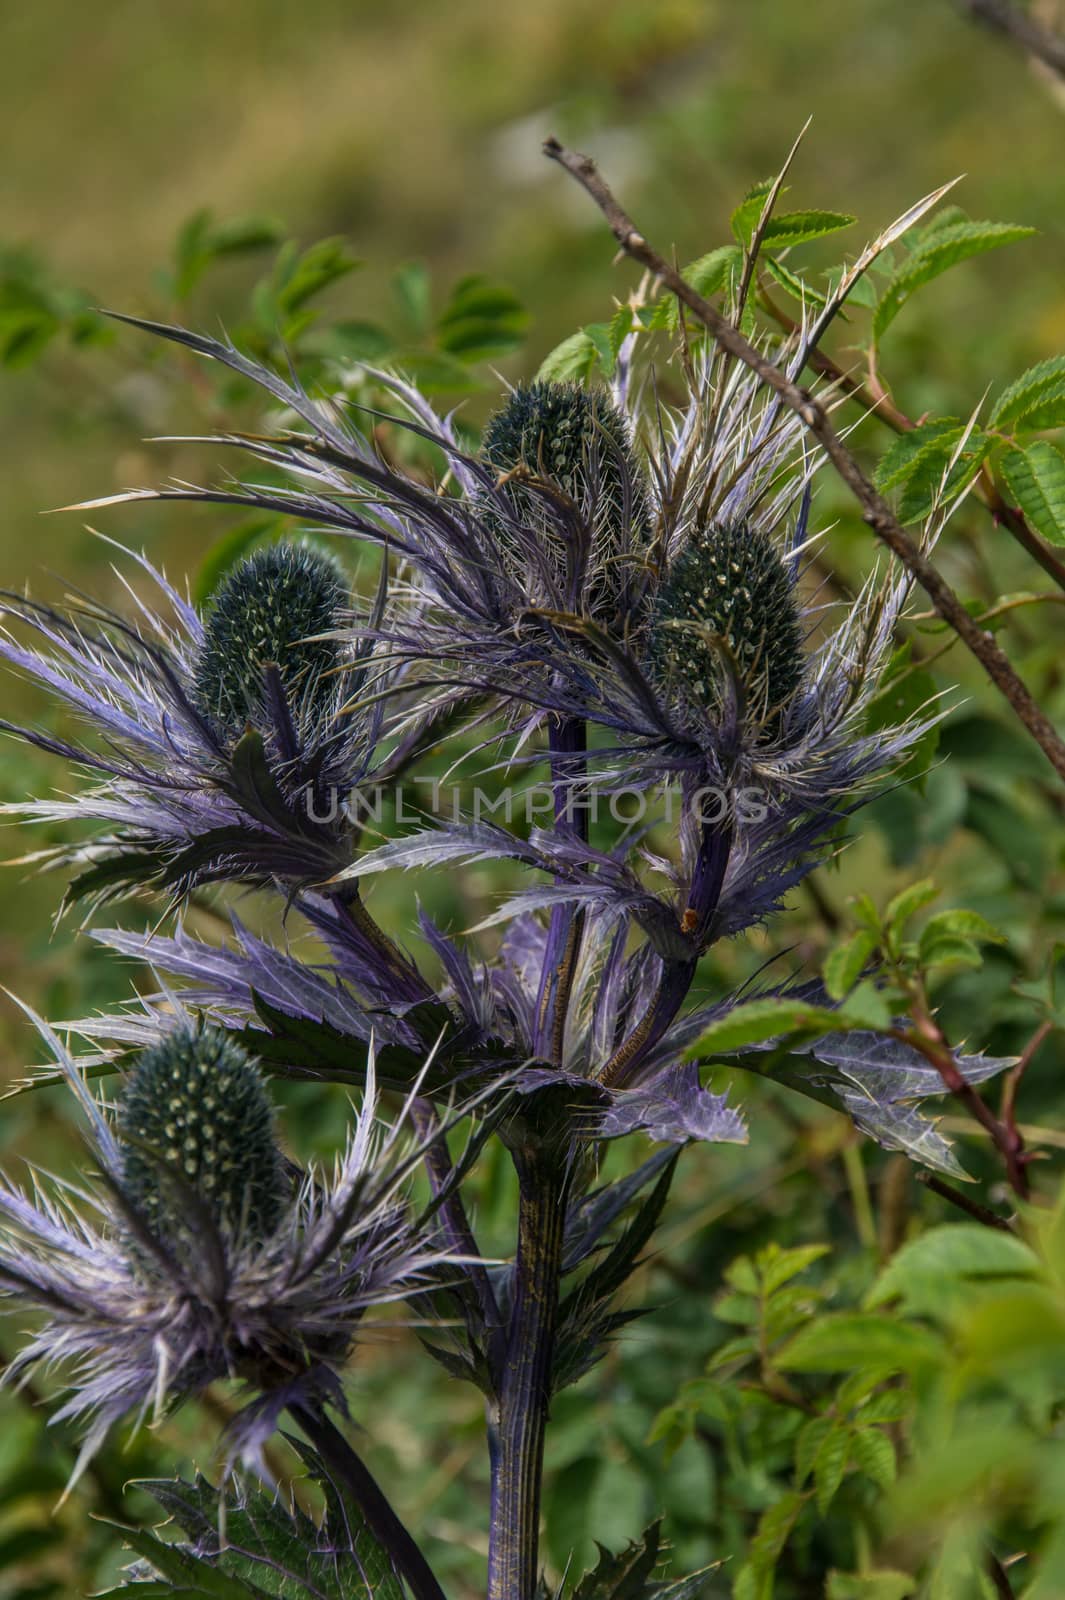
525, 1391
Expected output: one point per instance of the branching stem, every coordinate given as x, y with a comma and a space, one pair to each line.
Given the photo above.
875, 509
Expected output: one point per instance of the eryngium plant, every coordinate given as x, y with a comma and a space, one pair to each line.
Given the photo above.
615, 585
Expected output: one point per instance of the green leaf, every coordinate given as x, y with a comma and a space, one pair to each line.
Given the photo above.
958, 924
758, 1020
188, 1572
866, 1007
905, 453
873, 1453
776, 1267
599, 334
936, 254
883, 1584
707, 275
931, 483
573, 360
625, 1576
301, 277
1034, 400
830, 1464
846, 962
481, 320
787, 227
811, 1436
846, 1341
905, 904
754, 1580
796, 286
930, 1273
1036, 480
270, 1550
410, 285
951, 952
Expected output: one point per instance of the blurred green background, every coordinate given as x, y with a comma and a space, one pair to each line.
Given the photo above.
413, 130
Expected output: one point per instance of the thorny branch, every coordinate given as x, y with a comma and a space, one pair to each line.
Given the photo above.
875, 509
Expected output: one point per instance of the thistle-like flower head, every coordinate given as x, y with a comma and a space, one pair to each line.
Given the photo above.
203, 1256
195, 1116
225, 744
278, 609
727, 608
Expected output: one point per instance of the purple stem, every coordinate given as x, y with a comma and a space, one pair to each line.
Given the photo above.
336, 1454
704, 892
568, 741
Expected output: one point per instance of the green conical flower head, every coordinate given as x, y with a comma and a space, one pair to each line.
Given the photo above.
561, 433
730, 585
268, 609
196, 1106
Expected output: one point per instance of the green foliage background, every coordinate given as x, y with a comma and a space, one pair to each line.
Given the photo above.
411, 132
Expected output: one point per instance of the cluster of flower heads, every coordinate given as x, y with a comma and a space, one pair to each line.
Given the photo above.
201, 1253
621, 579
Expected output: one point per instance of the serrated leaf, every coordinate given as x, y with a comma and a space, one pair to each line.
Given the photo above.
482, 319
906, 903
1035, 477
942, 472
892, 1405
810, 1438
959, 924
936, 254
273, 1551
798, 287
572, 361
873, 1453
774, 1527
624, 1576
188, 1572
788, 227
830, 1463
905, 453
756, 1021
1034, 400
844, 1341
846, 962
776, 1267
928, 1274
707, 275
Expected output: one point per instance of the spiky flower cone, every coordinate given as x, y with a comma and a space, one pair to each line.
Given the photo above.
572, 479
729, 599
269, 610
196, 1119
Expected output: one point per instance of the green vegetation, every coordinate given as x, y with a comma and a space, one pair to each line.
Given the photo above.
851, 1382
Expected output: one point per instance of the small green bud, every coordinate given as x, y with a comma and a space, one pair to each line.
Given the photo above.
268, 609
728, 584
568, 436
196, 1105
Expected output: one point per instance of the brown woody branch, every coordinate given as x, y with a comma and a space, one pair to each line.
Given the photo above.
875, 509
883, 407
1033, 37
